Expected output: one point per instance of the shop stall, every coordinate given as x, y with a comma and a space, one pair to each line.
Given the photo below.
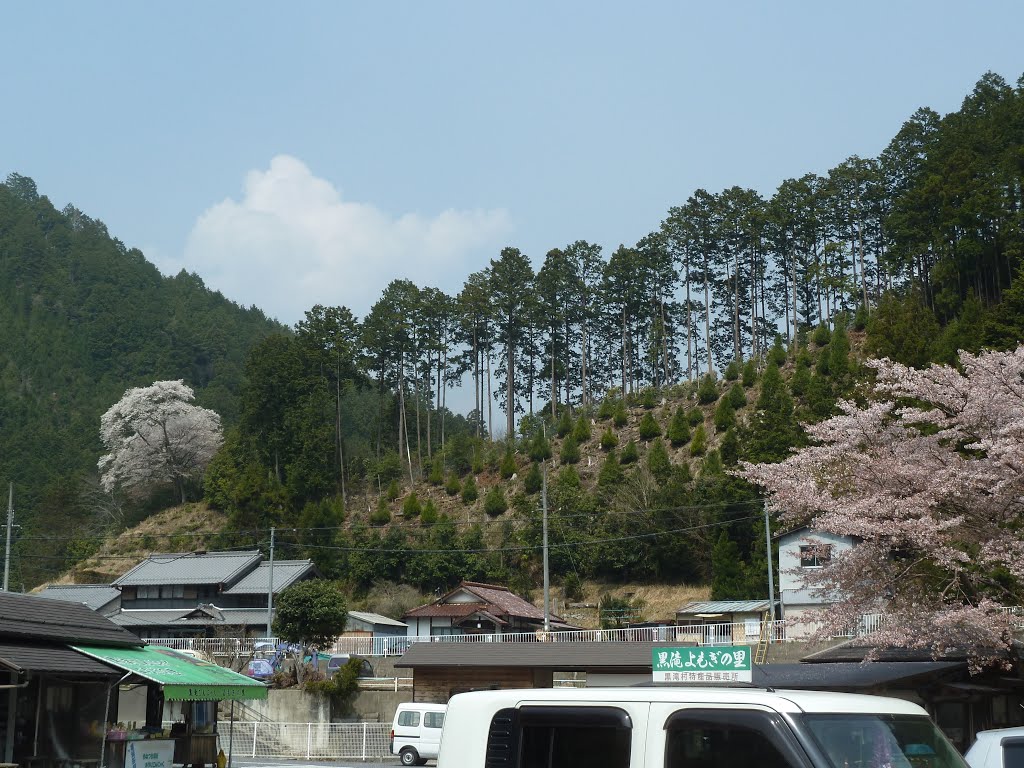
166, 686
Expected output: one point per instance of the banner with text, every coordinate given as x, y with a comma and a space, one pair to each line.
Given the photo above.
725, 664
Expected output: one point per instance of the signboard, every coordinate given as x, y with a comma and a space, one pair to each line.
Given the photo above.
724, 664
156, 753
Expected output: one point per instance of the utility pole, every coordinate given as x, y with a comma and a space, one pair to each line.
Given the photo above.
547, 584
10, 525
771, 574
270, 586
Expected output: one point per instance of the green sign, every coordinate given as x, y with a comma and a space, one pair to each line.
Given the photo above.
182, 677
723, 664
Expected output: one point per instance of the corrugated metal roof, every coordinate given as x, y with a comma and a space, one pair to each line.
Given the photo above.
95, 596
725, 606
30, 616
21, 657
376, 618
286, 573
177, 618
191, 568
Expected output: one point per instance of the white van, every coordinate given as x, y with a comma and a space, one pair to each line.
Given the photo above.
680, 727
416, 731
998, 748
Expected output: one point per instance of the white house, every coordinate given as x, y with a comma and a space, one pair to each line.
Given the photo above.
801, 551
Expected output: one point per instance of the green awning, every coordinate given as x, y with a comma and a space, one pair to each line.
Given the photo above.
182, 677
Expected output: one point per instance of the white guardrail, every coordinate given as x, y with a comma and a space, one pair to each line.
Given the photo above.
305, 741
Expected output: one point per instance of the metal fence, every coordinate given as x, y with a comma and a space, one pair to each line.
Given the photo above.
306, 741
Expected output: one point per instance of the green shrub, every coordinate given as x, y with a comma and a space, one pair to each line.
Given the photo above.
729, 448
609, 440
610, 473
564, 426
749, 374
732, 370
494, 501
860, 319
453, 486
570, 451
508, 464
436, 476
777, 354
707, 392
572, 587
695, 416
381, 515
630, 453
725, 415
822, 335
533, 480
428, 515
737, 397
620, 417
699, 443
649, 428
469, 492
649, 398
658, 461
411, 507
679, 428
607, 409
581, 432
393, 490
540, 448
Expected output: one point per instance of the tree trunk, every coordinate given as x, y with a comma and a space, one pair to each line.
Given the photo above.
476, 384
490, 400
707, 312
510, 385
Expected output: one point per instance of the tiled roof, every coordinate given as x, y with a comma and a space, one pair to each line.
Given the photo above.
725, 606
493, 599
286, 573
32, 617
376, 618
95, 596
176, 618
191, 568
34, 657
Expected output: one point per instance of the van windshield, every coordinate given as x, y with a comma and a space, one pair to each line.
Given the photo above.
869, 740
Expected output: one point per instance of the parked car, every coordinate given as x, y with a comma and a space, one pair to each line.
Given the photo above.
658, 726
339, 660
998, 748
416, 732
259, 669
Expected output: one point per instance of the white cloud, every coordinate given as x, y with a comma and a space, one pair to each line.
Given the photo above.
292, 242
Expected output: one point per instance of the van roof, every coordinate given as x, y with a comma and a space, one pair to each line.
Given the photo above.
423, 706
779, 700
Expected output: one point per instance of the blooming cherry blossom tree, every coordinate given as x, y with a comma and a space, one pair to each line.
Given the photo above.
929, 477
156, 435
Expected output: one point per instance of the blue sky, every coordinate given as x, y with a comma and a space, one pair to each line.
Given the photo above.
310, 152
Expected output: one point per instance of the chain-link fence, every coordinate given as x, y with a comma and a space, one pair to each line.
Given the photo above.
320, 741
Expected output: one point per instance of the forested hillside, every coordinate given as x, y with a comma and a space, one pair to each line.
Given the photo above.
83, 318
644, 374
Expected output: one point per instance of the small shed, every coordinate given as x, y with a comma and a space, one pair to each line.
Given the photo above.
721, 622
365, 624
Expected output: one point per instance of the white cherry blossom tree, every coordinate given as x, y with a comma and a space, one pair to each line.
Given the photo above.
156, 435
929, 477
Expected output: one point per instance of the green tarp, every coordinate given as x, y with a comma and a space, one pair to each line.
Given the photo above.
182, 677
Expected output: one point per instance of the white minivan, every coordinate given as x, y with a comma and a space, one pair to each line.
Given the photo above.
689, 727
998, 748
416, 732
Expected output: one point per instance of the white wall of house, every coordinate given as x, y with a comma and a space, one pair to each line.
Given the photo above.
423, 626
791, 573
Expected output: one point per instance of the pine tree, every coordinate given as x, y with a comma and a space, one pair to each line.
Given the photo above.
732, 370
749, 374
699, 443
729, 448
533, 481
801, 380
540, 448
428, 515
494, 501
582, 429
707, 392
679, 428
508, 465
630, 453
725, 415
381, 515
621, 416
609, 440
411, 506
607, 409
695, 416
658, 461
570, 453
727, 578
648, 428
773, 428
436, 476
564, 426
737, 397
610, 474
469, 491
453, 486
393, 490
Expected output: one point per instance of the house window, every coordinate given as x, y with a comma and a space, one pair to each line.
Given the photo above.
815, 555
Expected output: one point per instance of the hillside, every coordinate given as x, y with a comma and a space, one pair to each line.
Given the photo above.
82, 319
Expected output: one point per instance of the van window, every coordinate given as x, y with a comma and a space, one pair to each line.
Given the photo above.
560, 737
717, 738
433, 719
874, 739
409, 719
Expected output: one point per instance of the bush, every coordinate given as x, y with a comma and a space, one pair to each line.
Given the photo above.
630, 453
607, 409
582, 429
381, 515
572, 587
699, 443
610, 473
608, 440
649, 398
860, 319
453, 486
679, 428
411, 507
533, 480
737, 397
469, 492
564, 426
494, 501
732, 370
620, 417
436, 476
428, 516
508, 465
570, 451
649, 428
707, 392
540, 448
725, 415
749, 374
730, 448
821, 335
393, 490
695, 416
777, 354
658, 461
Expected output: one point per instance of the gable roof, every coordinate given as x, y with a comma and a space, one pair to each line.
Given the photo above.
191, 568
38, 618
493, 599
376, 618
96, 596
724, 606
286, 573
